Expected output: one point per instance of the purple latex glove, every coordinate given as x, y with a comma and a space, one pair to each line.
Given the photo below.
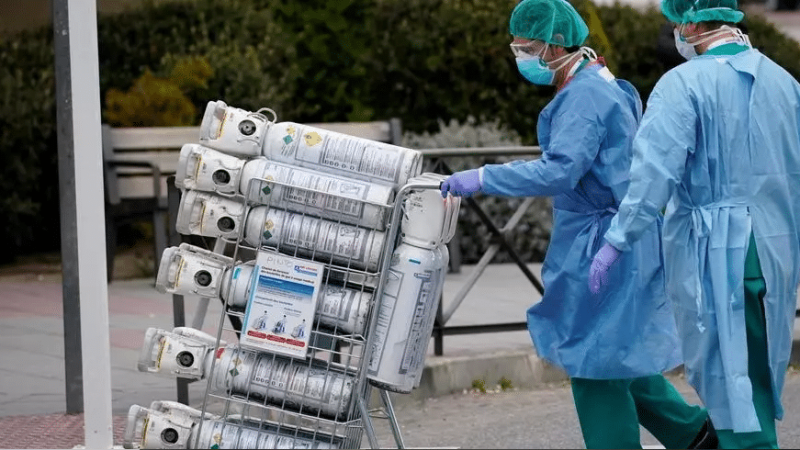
602, 262
463, 183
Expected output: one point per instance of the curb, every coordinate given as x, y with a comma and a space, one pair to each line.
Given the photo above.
453, 375
523, 368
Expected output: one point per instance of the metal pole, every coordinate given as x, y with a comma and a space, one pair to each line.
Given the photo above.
69, 248
83, 215
387, 403
178, 306
438, 336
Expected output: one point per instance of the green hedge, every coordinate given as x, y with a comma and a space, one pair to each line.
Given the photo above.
29, 207
424, 61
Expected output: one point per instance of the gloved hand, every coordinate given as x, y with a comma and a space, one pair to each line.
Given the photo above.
463, 183
602, 262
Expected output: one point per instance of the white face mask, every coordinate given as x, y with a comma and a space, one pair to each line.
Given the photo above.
684, 48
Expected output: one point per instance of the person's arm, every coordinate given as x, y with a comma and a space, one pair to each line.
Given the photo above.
576, 132
664, 141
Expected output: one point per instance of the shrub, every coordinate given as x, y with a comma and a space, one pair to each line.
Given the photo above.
159, 101
29, 171
425, 61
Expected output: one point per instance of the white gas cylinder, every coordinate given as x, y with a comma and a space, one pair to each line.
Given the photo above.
321, 240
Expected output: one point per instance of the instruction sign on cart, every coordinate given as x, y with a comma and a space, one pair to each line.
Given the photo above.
283, 299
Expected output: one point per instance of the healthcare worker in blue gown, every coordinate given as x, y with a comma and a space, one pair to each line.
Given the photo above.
614, 346
719, 145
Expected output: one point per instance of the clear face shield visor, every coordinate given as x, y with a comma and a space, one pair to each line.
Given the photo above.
528, 49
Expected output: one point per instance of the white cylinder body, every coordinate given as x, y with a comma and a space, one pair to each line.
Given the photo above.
337, 153
248, 435
339, 308
284, 382
232, 130
170, 425
407, 305
209, 215
442, 259
205, 169
319, 239
345, 201
344, 310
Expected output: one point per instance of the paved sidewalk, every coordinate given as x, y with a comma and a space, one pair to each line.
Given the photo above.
32, 395
32, 348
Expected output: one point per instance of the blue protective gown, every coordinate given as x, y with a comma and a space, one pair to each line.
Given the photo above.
721, 142
585, 134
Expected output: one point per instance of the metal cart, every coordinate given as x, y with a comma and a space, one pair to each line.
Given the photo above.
322, 400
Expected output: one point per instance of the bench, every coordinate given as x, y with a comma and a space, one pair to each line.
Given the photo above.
138, 161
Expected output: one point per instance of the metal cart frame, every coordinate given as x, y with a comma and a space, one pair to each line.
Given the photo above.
326, 354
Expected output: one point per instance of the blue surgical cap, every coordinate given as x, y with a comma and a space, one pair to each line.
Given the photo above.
552, 21
693, 11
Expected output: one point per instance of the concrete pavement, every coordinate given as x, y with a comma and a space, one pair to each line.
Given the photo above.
32, 349
33, 353
32, 395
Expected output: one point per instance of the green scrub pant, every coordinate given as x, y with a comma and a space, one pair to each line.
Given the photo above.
610, 412
757, 361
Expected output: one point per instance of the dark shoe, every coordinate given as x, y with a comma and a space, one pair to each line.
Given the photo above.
706, 438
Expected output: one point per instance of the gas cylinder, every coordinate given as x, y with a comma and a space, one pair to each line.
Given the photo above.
309, 387
210, 215
233, 130
191, 270
236, 131
412, 291
283, 186
171, 425
180, 353
407, 304
318, 239
318, 194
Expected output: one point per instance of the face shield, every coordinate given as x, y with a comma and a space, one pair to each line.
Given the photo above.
528, 49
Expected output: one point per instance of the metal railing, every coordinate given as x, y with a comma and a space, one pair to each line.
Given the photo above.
436, 162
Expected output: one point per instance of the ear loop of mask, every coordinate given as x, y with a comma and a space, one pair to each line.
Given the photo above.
702, 38
741, 36
588, 53
585, 53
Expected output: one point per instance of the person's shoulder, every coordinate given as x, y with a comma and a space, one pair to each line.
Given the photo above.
679, 76
587, 90
764, 68
600, 91
770, 64
591, 82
